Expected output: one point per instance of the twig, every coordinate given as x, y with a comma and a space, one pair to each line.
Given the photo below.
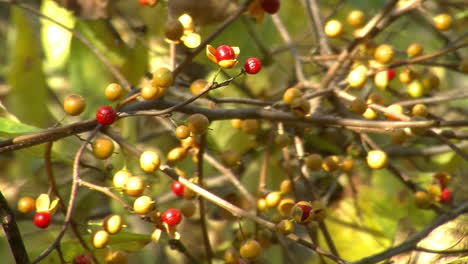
106, 191
12, 232
201, 200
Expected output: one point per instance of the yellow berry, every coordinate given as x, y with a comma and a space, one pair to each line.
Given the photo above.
162, 77
100, 239
284, 206
120, 179
272, 199
356, 18
150, 92
313, 162
291, 94
419, 110
182, 132
135, 186
300, 107
286, 187
250, 250
422, 200
113, 91
333, 28
376, 159
394, 111
331, 163
74, 104
357, 78
149, 161
384, 53
415, 89
112, 224
26, 204
198, 124
236, 123
442, 22
250, 126
103, 148
197, 86
143, 205
176, 154
414, 49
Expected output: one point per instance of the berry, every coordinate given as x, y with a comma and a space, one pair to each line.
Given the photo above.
261, 204
149, 3
135, 186
358, 106
113, 91
302, 212
82, 259
224, 52
251, 249
112, 224
176, 154
198, 124
357, 78
182, 132
171, 217
42, 219
271, 6
100, 238
286, 187
177, 188
282, 140
120, 179
143, 205
419, 110
250, 126
26, 204
300, 107
231, 256
173, 30
252, 65
414, 49
376, 159
284, 207
291, 94
236, 123
313, 162
442, 178
333, 28
446, 196
150, 92
272, 199
384, 53
442, 22
407, 75
149, 161
393, 111
398, 136
197, 86
106, 115
356, 18
103, 148
230, 158
162, 77
188, 208
415, 89
74, 104
422, 200
331, 163
285, 227
390, 74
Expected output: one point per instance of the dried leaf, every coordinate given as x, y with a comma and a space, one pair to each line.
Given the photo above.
42, 203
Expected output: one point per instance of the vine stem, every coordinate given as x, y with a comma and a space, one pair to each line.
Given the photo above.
73, 193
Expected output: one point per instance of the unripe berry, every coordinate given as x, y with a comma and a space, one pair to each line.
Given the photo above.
150, 92
291, 94
42, 219
285, 227
419, 110
143, 205
100, 239
272, 199
74, 104
26, 204
422, 200
163, 77
414, 49
231, 256
313, 162
176, 154
442, 22
135, 186
120, 179
198, 124
285, 206
182, 132
250, 250
149, 161
356, 18
384, 53
407, 75
286, 187
236, 123
376, 159
398, 136
103, 148
300, 107
188, 208
331, 163
106, 115
198, 86
333, 28
173, 30
250, 126
112, 224
282, 140
113, 91
230, 158
358, 106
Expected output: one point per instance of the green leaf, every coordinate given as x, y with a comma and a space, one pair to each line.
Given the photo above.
11, 128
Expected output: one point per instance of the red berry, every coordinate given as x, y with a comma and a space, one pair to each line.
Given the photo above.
252, 65
171, 217
271, 6
148, 2
446, 196
390, 74
42, 219
177, 188
224, 52
106, 115
305, 211
82, 259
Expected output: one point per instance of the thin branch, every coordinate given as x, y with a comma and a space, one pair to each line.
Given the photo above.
12, 233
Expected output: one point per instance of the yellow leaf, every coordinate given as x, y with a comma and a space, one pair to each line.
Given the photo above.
42, 203
53, 206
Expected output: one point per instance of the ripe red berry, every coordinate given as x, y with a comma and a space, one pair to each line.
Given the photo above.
171, 217
446, 196
252, 65
271, 6
82, 259
42, 219
177, 188
390, 74
148, 2
106, 115
224, 52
